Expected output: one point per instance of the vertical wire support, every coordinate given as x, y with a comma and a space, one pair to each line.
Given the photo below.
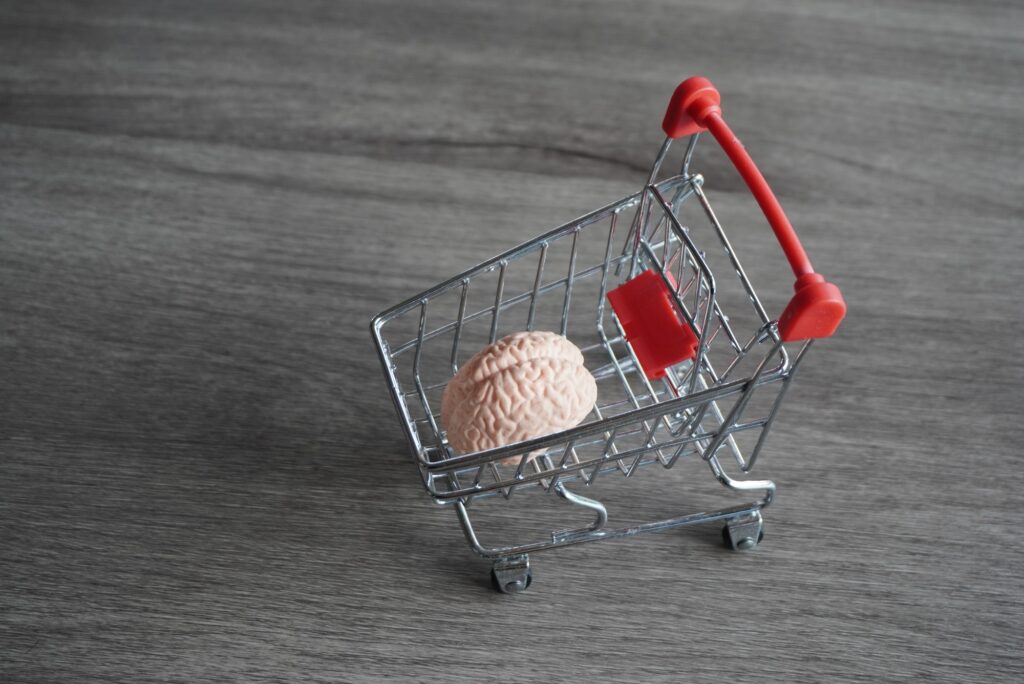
537, 280
570, 277
497, 302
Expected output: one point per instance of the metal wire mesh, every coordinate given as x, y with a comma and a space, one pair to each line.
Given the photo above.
559, 282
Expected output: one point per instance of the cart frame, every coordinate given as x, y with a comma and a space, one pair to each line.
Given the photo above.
695, 409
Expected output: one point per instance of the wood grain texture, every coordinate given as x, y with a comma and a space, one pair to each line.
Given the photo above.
203, 203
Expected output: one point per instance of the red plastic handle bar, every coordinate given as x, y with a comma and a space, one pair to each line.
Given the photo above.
817, 308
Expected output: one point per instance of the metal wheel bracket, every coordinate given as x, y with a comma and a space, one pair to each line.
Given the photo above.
745, 532
512, 574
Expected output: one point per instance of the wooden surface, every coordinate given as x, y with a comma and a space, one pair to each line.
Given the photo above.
202, 205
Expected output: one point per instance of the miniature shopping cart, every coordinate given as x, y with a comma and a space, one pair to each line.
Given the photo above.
688, 363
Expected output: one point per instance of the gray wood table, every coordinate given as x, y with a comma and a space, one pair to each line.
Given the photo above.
202, 204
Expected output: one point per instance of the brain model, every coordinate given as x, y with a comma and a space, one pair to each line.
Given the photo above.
526, 385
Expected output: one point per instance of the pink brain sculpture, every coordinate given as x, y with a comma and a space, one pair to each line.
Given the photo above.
526, 385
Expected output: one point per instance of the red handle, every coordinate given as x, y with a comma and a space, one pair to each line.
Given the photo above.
818, 307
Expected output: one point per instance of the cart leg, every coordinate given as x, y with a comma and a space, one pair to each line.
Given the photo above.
744, 532
599, 522
512, 575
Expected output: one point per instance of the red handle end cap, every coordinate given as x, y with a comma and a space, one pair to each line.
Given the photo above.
816, 310
693, 99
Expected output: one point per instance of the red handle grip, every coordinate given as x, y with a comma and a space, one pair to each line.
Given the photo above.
818, 307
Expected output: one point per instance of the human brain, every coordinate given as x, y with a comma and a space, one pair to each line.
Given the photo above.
526, 385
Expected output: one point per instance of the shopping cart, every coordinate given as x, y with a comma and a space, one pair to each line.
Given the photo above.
677, 377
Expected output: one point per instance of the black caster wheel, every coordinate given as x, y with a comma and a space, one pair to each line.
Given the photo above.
516, 586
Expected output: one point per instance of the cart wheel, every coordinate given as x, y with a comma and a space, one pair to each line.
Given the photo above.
743, 534
512, 575
513, 587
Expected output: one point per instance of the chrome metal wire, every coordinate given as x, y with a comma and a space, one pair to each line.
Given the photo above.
694, 411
